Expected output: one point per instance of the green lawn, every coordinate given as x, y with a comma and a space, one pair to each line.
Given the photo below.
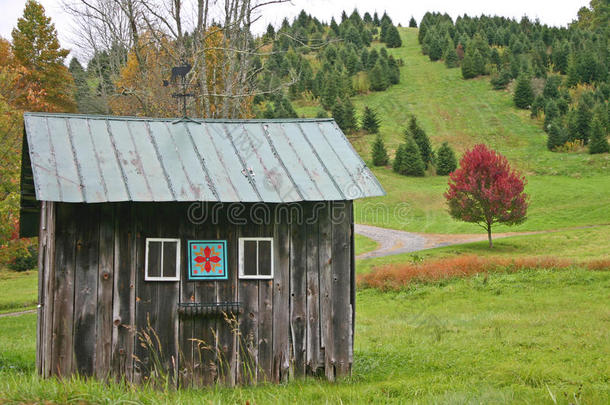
507, 338
18, 291
364, 244
567, 189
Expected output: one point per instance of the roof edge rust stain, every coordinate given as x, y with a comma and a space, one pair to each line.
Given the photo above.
262, 164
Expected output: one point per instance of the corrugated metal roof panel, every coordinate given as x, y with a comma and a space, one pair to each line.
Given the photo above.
78, 158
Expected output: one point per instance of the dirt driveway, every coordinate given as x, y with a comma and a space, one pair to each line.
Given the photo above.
393, 242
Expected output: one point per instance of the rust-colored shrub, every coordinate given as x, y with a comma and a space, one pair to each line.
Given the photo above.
601, 264
396, 276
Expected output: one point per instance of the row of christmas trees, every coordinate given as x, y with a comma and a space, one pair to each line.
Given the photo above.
415, 155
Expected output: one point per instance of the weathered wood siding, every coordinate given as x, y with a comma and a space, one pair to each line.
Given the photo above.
96, 309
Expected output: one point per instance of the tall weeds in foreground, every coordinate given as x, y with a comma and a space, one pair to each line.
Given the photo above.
154, 368
397, 276
210, 364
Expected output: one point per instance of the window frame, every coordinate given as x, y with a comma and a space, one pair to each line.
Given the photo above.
258, 276
178, 253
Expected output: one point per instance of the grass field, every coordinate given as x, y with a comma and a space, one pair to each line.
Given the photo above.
567, 189
364, 244
507, 338
17, 290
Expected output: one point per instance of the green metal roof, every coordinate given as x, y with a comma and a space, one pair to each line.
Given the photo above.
80, 158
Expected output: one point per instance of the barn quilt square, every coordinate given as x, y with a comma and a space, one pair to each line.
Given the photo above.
207, 259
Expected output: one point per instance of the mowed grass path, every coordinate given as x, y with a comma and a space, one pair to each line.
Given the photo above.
567, 189
504, 338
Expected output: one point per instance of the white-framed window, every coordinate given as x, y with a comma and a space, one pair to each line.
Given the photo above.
162, 261
256, 258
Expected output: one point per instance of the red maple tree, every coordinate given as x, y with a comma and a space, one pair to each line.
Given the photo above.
486, 190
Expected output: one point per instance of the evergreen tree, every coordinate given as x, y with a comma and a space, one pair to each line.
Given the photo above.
500, 80
383, 36
338, 113
524, 95
83, 96
599, 140
451, 58
435, 49
367, 18
551, 86
445, 160
556, 136
573, 75
537, 106
412, 23
583, 122
364, 58
334, 27
36, 47
495, 58
270, 34
551, 113
393, 37
370, 121
393, 71
379, 152
283, 108
377, 78
468, 68
330, 90
478, 63
349, 116
410, 162
416, 132
372, 59
397, 164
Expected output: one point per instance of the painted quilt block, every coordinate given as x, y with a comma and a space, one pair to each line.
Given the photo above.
207, 259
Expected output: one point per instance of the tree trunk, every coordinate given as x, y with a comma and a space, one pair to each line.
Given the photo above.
489, 235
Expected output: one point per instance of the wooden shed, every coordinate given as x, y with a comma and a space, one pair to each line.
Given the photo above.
201, 250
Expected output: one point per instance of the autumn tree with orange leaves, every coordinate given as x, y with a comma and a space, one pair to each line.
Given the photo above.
33, 77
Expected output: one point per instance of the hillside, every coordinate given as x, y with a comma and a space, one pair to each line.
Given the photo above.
567, 189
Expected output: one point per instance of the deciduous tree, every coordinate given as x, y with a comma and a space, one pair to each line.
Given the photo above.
485, 190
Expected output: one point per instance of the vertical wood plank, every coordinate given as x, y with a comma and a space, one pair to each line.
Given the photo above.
313, 291
281, 301
146, 294
85, 287
325, 268
104, 326
49, 284
227, 291
42, 275
63, 314
265, 320
341, 287
186, 344
298, 294
248, 320
167, 294
46, 275
122, 325
352, 257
